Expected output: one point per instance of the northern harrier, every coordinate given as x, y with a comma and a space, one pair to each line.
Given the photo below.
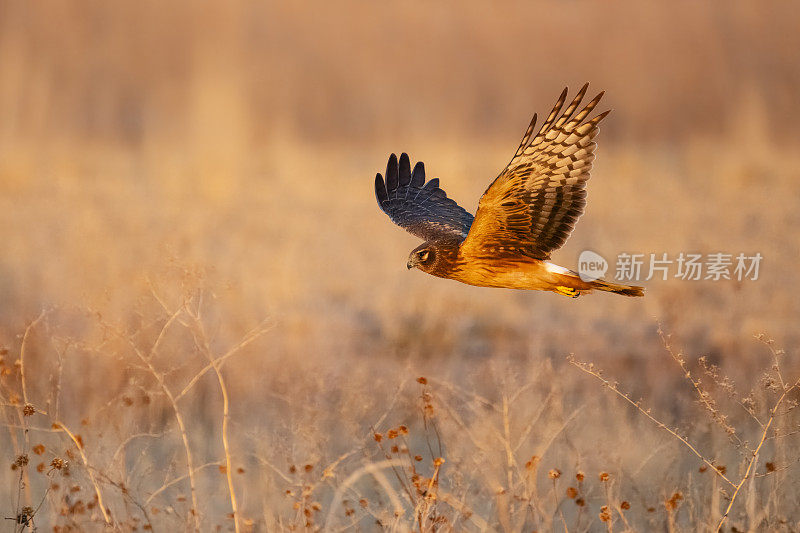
527, 212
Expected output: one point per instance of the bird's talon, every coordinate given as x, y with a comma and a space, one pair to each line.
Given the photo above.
567, 291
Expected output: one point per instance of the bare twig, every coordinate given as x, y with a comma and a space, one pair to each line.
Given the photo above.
202, 342
754, 456
510, 463
127, 441
589, 369
705, 398
251, 336
178, 479
22, 418
369, 468
159, 377
22, 350
79, 445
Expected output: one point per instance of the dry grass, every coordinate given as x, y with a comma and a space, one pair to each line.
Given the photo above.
205, 321
508, 445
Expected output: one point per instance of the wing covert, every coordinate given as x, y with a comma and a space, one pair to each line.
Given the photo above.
532, 206
421, 208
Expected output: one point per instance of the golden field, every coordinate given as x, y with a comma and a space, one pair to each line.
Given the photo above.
206, 322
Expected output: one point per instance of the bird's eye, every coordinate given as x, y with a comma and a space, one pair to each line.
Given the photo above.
423, 256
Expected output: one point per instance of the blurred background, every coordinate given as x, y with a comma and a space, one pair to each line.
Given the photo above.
231, 147
246, 137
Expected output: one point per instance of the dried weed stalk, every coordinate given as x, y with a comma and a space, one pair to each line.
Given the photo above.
773, 381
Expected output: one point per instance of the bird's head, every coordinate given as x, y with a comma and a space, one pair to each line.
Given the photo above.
423, 257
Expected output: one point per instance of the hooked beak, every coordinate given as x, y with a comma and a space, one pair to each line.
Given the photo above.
409, 265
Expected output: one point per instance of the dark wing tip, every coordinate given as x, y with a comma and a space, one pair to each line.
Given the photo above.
405, 170
418, 175
380, 190
392, 174
425, 211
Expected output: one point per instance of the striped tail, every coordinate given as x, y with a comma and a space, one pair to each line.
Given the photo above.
627, 290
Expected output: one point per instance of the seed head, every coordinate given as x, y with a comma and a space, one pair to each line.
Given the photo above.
28, 410
25, 515
674, 501
555, 473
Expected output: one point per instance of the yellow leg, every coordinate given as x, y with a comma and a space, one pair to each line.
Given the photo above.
567, 291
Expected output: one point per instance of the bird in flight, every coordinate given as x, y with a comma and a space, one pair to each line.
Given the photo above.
527, 212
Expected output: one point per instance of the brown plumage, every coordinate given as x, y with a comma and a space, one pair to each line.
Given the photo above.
527, 212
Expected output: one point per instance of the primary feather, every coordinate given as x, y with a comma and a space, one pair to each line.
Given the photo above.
421, 208
532, 206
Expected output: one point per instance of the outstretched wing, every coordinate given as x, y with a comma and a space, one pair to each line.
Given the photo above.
532, 206
423, 209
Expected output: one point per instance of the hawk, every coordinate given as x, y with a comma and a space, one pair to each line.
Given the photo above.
527, 212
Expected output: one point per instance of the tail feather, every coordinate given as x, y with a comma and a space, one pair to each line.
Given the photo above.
570, 284
627, 290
